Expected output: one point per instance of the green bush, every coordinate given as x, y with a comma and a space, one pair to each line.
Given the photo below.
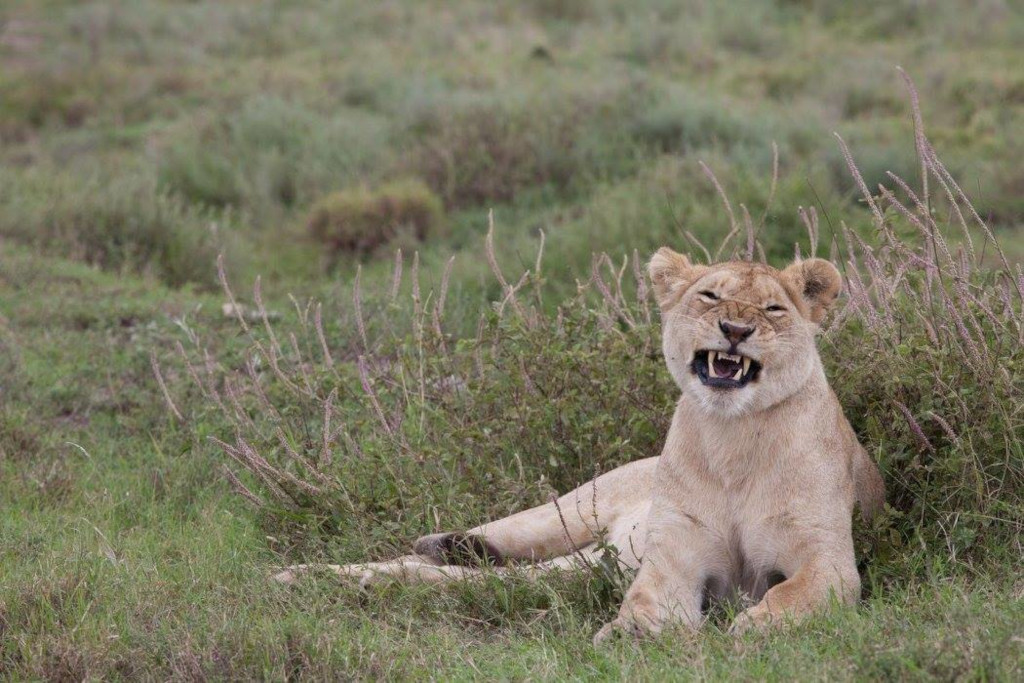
483, 151
686, 123
201, 175
271, 156
360, 220
33, 100
119, 223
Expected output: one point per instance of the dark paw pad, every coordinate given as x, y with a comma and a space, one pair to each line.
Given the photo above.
458, 549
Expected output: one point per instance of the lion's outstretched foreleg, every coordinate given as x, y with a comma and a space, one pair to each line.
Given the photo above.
562, 534
563, 527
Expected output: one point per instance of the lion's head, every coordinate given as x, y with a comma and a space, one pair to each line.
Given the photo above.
739, 337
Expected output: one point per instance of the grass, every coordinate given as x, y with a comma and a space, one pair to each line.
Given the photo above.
153, 137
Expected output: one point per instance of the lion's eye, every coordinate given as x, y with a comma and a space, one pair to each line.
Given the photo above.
708, 294
774, 307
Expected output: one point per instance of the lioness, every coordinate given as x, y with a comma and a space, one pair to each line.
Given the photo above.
754, 490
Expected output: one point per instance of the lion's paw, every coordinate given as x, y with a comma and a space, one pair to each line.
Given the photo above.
623, 627
288, 575
754, 618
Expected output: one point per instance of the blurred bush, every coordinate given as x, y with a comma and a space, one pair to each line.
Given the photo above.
271, 156
121, 223
484, 151
360, 220
684, 120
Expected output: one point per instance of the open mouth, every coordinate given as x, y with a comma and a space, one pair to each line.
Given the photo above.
724, 370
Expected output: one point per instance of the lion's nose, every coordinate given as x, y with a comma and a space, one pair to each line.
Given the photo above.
733, 332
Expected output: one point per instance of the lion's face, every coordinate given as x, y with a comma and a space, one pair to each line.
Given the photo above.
739, 337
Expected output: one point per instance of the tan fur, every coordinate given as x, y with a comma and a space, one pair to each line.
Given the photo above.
752, 482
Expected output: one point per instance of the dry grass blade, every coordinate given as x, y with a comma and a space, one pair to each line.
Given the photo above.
919, 139
915, 427
163, 387
700, 245
396, 276
492, 261
734, 227
859, 179
357, 305
235, 308
442, 298
612, 299
327, 437
240, 488
809, 217
371, 393
751, 234
318, 322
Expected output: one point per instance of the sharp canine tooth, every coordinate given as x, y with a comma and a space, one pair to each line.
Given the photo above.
739, 373
746, 365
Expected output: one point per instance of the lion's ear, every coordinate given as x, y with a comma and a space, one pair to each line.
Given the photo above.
818, 282
671, 272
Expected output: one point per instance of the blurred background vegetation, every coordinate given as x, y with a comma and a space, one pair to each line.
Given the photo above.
301, 140
147, 136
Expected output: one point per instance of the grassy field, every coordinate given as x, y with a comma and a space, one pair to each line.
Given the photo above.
305, 140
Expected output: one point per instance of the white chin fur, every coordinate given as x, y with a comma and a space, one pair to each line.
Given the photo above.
722, 403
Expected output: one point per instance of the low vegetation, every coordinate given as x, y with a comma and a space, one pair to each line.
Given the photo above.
161, 453
361, 220
123, 226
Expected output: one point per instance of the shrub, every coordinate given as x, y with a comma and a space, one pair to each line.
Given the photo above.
481, 152
349, 445
685, 124
120, 223
33, 100
487, 154
200, 174
269, 157
360, 220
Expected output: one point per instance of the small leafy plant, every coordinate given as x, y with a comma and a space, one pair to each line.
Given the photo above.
360, 220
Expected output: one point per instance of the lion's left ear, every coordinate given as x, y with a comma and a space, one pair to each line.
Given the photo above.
818, 282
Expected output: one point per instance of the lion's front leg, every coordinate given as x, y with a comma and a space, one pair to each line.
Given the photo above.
811, 588
669, 589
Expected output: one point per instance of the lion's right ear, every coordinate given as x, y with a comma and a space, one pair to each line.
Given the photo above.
671, 273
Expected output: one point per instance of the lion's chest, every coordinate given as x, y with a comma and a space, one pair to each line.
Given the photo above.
763, 501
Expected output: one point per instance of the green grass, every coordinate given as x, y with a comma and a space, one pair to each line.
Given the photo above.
139, 140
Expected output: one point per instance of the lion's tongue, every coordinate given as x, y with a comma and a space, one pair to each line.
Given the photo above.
725, 368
